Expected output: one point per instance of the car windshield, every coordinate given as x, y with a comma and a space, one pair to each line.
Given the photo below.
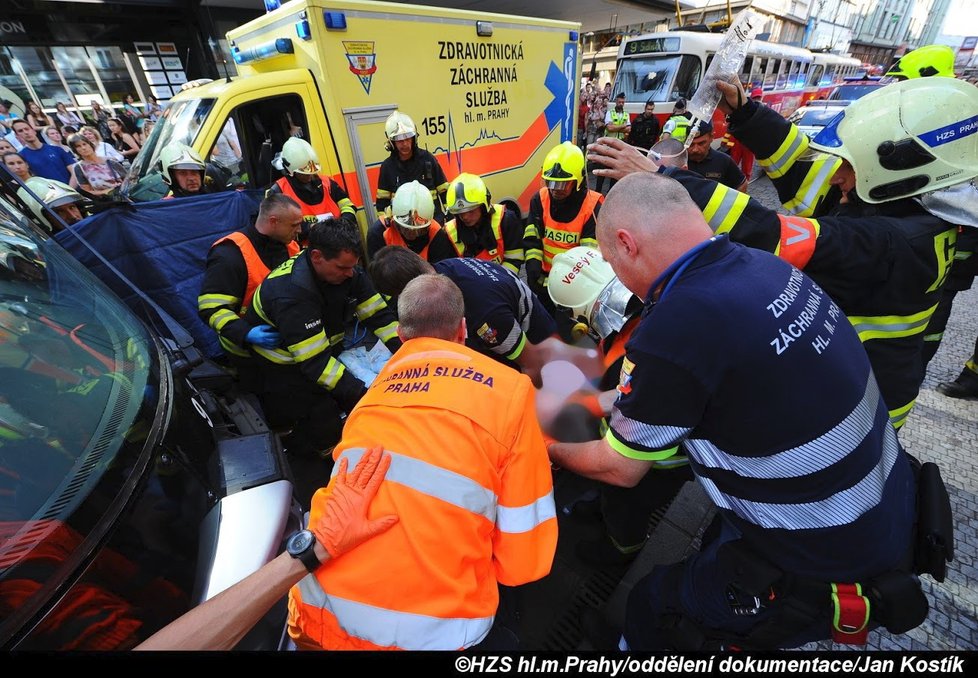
181, 121
815, 117
660, 78
853, 92
78, 382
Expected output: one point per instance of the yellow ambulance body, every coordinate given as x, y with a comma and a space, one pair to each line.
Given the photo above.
490, 94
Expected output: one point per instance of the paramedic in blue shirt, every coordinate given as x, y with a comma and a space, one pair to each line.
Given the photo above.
745, 361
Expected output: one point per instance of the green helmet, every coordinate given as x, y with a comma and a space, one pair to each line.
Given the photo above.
467, 192
52, 194
907, 138
924, 62
564, 163
412, 206
177, 155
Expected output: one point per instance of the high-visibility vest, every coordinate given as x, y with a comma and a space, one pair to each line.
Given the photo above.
474, 494
561, 236
496, 223
682, 127
326, 206
392, 236
618, 119
257, 270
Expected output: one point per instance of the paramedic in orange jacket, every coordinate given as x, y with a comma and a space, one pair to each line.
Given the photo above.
469, 479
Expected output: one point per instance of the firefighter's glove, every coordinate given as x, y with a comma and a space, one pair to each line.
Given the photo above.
265, 336
344, 524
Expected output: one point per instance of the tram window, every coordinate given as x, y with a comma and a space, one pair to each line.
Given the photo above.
756, 78
688, 78
782, 78
745, 70
793, 81
815, 75
830, 73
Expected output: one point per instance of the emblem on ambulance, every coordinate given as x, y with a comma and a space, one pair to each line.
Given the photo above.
488, 334
362, 59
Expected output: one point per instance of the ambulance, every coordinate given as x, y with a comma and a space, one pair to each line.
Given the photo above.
490, 94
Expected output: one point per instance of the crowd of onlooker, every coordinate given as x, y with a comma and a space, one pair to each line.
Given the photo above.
88, 150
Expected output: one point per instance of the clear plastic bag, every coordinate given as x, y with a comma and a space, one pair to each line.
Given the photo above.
725, 65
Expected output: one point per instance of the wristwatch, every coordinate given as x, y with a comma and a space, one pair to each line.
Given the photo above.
301, 546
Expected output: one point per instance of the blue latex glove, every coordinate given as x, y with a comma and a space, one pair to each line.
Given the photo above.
263, 335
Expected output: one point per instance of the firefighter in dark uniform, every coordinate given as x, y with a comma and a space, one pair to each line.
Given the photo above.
311, 300
881, 252
561, 216
236, 265
505, 320
584, 285
407, 162
303, 183
410, 223
481, 229
184, 171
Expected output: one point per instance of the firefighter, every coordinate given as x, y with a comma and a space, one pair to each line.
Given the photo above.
506, 320
812, 510
562, 215
311, 301
407, 162
410, 223
878, 238
236, 265
481, 229
585, 286
469, 481
320, 197
60, 203
184, 171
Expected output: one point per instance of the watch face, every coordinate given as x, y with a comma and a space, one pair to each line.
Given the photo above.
300, 541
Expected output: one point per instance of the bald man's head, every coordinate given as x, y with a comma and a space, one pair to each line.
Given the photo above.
647, 221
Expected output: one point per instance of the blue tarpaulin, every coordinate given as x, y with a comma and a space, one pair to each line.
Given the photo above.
161, 247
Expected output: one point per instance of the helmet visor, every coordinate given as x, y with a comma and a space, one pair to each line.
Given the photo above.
412, 221
556, 184
403, 136
310, 167
608, 312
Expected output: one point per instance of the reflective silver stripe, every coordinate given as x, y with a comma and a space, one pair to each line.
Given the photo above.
655, 437
387, 332
208, 301
808, 458
331, 374
807, 202
390, 628
369, 307
506, 346
434, 481
727, 203
519, 519
304, 351
275, 355
891, 328
842, 508
781, 165
525, 306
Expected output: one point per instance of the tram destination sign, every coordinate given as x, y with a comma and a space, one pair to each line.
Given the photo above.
652, 45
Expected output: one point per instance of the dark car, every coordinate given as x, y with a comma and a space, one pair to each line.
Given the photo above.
134, 481
857, 88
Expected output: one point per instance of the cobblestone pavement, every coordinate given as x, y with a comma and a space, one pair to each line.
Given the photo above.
945, 431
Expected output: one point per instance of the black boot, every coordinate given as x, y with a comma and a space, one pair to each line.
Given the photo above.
966, 388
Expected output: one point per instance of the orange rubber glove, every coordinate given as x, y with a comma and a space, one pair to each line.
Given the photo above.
344, 524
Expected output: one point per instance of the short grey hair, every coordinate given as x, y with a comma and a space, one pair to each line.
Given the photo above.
431, 305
